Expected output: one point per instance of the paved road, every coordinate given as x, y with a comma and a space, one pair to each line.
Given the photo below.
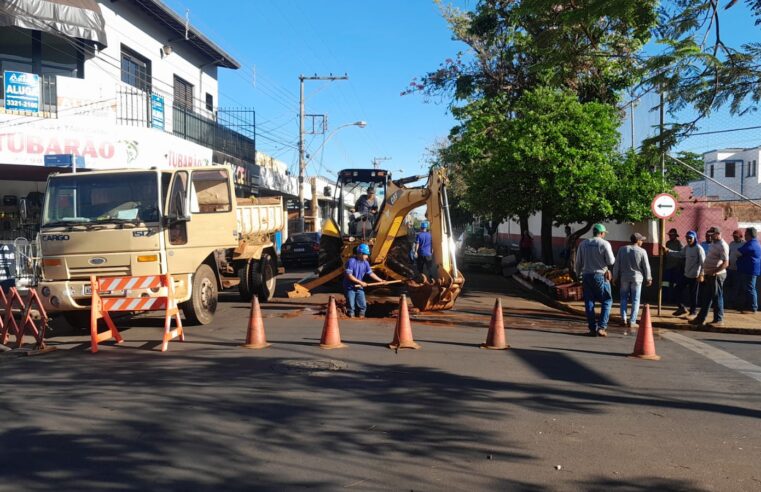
558, 411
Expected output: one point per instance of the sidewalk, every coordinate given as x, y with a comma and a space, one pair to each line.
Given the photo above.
734, 322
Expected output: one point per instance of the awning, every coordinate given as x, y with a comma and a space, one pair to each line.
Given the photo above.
80, 19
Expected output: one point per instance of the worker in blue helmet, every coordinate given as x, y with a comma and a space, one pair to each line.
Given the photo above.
423, 250
355, 272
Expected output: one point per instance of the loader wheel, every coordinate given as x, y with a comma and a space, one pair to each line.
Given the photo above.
200, 308
245, 287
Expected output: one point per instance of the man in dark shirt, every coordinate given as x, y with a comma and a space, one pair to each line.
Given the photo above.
366, 202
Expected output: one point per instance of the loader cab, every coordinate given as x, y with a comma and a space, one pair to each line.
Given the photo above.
353, 210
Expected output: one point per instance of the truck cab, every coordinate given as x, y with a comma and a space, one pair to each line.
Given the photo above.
129, 222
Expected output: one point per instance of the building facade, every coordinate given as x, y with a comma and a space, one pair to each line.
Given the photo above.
115, 84
734, 168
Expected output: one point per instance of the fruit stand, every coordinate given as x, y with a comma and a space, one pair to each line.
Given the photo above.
555, 281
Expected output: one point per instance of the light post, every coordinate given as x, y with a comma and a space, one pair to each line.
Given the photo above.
302, 167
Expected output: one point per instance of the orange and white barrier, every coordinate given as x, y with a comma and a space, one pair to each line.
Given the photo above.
26, 323
105, 300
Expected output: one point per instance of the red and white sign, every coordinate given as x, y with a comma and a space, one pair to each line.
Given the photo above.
663, 206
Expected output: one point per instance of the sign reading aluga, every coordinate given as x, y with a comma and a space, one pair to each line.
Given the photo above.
22, 91
663, 206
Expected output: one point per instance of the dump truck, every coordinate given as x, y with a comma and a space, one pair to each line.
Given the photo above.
132, 222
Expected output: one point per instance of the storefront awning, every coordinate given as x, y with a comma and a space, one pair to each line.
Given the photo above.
74, 18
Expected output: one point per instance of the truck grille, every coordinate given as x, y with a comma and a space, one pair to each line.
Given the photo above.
85, 272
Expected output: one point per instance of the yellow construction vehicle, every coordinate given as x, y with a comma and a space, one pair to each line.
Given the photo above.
355, 219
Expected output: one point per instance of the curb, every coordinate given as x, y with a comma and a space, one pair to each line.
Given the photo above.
656, 324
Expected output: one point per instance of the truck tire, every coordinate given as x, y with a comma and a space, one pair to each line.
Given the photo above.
263, 278
245, 287
79, 320
200, 308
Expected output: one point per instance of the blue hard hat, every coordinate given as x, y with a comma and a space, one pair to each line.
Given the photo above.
692, 234
363, 249
424, 224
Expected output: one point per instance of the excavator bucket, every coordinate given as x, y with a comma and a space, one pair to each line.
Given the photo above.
435, 295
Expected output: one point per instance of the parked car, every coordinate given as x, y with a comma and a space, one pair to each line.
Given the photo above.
301, 249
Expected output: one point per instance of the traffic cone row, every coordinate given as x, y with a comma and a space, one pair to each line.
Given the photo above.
644, 346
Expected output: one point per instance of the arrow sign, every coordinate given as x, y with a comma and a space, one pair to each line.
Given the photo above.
663, 206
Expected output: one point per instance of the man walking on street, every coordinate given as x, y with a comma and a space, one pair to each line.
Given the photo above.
694, 257
712, 280
732, 287
593, 261
749, 268
630, 269
674, 267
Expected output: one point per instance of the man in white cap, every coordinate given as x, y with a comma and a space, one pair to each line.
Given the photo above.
593, 261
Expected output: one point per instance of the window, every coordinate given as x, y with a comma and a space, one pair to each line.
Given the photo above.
210, 192
178, 232
183, 93
209, 103
751, 168
729, 169
62, 56
711, 173
136, 70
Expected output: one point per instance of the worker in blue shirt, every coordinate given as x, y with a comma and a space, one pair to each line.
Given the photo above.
749, 267
424, 251
357, 268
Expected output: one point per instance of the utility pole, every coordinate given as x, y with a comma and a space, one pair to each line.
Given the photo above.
662, 223
302, 161
378, 160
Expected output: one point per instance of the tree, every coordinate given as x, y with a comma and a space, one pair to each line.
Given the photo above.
556, 156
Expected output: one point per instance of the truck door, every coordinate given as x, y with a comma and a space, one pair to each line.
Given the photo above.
205, 196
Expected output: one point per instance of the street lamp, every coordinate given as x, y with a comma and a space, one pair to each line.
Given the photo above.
303, 164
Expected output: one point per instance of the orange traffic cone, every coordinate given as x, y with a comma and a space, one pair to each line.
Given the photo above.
255, 338
644, 346
495, 339
331, 337
403, 330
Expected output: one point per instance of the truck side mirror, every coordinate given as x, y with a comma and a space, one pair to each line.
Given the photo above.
23, 209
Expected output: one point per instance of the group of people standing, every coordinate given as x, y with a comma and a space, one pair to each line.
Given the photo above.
697, 275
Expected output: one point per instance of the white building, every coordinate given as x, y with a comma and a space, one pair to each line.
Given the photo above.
116, 83
734, 168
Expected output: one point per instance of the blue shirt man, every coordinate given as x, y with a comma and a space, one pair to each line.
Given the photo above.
424, 250
749, 268
357, 268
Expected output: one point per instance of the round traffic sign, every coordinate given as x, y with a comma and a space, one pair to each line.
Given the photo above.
663, 206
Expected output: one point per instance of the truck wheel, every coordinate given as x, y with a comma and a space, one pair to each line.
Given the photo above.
79, 320
263, 278
245, 287
200, 308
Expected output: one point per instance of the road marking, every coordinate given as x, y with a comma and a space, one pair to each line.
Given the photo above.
717, 355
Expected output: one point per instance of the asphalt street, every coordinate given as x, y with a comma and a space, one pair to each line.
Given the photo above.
558, 411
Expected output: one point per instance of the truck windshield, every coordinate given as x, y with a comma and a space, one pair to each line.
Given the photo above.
101, 198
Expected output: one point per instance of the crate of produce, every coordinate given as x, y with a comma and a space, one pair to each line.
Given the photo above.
569, 292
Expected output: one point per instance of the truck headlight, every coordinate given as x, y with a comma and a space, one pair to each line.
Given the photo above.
46, 291
55, 301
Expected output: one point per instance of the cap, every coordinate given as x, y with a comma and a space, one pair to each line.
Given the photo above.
673, 231
692, 234
424, 224
599, 228
713, 230
637, 237
363, 249
737, 232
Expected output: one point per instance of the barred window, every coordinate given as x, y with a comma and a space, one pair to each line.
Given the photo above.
136, 70
183, 93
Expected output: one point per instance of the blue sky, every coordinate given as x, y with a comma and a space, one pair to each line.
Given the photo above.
382, 46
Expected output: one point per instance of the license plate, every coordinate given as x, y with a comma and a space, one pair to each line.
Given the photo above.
298, 250
87, 290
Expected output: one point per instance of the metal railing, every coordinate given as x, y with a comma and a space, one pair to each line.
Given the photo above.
48, 95
231, 131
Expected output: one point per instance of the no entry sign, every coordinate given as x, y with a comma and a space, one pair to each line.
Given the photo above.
663, 206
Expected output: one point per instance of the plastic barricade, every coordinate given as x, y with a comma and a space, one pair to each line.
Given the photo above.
26, 323
113, 294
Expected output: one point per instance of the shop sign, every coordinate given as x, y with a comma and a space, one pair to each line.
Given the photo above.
22, 91
157, 111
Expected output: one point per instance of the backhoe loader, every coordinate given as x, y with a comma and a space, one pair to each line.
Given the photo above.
391, 237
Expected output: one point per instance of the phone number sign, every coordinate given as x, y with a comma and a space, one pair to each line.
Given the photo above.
22, 91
